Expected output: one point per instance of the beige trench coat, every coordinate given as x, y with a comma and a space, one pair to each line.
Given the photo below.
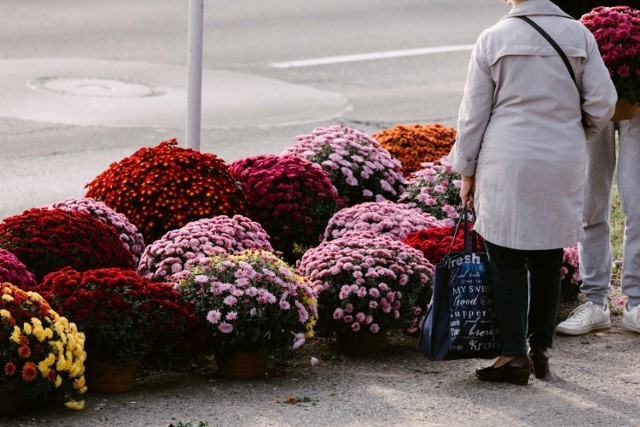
519, 128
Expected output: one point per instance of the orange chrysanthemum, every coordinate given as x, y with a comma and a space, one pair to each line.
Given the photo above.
416, 144
24, 351
29, 371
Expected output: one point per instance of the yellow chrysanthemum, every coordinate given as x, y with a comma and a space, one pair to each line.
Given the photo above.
79, 383
39, 333
57, 345
45, 364
36, 322
58, 381
7, 297
76, 405
27, 328
69, 356
5, 313
64, 321
59, 328
83, 390
62, 362
34, 296
16, 334
78, 352
77, 369
72, 342
48, 333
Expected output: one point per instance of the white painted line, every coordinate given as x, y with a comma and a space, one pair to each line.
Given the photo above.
371, 56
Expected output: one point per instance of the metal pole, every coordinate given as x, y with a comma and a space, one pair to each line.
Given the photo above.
194, 71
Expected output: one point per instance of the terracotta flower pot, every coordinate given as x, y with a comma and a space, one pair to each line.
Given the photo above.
362, 342
240, 364
105, 377
625, 110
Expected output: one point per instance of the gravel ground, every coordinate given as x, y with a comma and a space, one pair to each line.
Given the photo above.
594, 381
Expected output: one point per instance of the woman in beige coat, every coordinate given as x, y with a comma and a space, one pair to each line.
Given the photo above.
521, 152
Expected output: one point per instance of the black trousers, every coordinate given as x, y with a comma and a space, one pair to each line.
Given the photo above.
525, 287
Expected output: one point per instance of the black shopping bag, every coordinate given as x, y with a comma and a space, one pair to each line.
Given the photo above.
459, 322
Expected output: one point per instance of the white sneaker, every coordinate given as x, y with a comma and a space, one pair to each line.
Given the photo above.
585, 318
631, 319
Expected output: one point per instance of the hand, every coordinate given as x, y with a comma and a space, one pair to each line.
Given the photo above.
467, 189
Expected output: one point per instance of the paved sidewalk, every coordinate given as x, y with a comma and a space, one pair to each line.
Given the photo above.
594, 381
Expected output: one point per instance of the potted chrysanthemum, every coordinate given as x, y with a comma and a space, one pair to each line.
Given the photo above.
46, 240
131, 238
414, 144
254, 305
617, 32
290, 197
359, 167
127, 320
163, 188
385, 217
367, 285
41, 353
169, 258
435, 190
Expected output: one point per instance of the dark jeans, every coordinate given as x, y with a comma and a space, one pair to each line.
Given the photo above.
525, 286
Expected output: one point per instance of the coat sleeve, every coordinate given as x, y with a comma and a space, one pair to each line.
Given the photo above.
474, 113
598, 91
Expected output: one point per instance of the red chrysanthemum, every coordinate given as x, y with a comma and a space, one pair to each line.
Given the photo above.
10, 368
435, 243
165, 187
46, 240
124, 316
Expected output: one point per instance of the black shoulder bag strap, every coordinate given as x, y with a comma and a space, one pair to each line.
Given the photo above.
555, 45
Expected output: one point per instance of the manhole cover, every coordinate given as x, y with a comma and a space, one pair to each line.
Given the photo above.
91, 87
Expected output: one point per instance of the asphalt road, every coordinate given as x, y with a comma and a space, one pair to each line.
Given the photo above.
84, 84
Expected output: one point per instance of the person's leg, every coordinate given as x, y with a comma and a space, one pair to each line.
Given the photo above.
595, 247
628, 179
544, 279
544, 269
509, 288
509, 291
628, 187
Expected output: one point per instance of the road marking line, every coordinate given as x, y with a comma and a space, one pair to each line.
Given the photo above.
371, 56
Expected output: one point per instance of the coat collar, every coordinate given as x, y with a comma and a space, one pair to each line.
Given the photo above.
535, 7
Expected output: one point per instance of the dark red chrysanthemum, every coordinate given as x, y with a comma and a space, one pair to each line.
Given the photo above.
46, 240
289, 196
